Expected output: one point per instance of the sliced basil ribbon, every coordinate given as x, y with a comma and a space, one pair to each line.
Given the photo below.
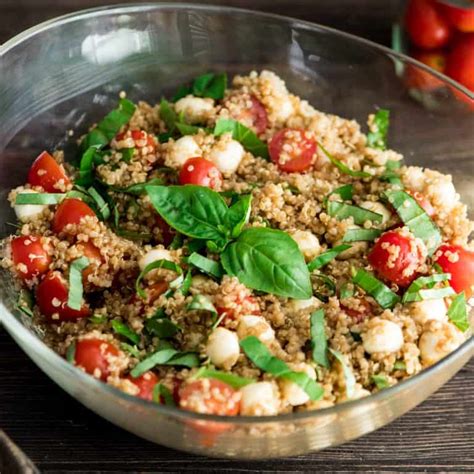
377, 138
166, 264
457, 312
381, 293
417, 292
343, 167
233, 380
326, 257
39, 198
74, 300
341, 211
358, 235
124, 330
318, 338
349, 378
206, 265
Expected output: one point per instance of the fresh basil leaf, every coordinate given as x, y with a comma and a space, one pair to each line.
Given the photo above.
168, 115
384, 296
416, 291
346, 291
244, 135
125, 331
195, 211
377, 137
132, 350
324, 258
182, 91
415, 218
380, 381
390, 174
358, 235
268, 260
233, 380
210, 85
139, 188
74, 299
158, 358
86, 167
348, 375
133, 235
71, 353
184, 359
186, 129
161, 327
162, 391
127, 154
164, 137
258, 353
328, 285
101, 207
25, 302
166, 264
206, 265
318, 338
201, 303
457, 312
109, 126
238, 215
343, 167
341, 211
39, 198
97, 319
400, 365
187, 282
345, 192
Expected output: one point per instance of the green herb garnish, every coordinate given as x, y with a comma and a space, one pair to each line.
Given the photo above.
161, 327
132, 350
39, 198
324, 258
74, 300
358, 235
166, 264
377, 138
348, 375
206, 265
380, 381
343, 167
381, 293
417, 292
341, 211
318, 338
230, 379
162, 391
207, 85
201, 303
457, 312
125, 331
71, 353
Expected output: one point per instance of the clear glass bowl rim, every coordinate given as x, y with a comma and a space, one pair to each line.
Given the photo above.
38, 346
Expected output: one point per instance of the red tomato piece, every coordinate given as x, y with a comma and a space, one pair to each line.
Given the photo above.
47, 173
364, 310
459, 262
167, 233
93, 355
426, 26
396, 257
52, 295
70, 211
140, 138
461, 18
153, 292
201, 172
145, 383
460, 64
292, 150
419, 79
424, 202
89, 250
29, 256
255, 116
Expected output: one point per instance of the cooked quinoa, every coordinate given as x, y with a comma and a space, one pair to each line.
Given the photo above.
279, 259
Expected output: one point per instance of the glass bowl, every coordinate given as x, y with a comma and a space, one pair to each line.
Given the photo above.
66, 73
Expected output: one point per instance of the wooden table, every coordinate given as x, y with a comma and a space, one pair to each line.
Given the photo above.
60, 435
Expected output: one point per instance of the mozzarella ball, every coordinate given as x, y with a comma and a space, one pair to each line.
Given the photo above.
414, 178
357, 248
195, 109
291, 393
438, 341
298, 305
27, 212
181, 150
379, 208
307, 242
278, 103
429, 310
227, 155
259, 399
359, 392
442, 193
250, 325
382, 336
153, 255
223, 348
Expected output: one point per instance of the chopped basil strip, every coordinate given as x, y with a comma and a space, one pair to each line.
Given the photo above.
380, 381
341, 211
139, 188
71, 353
186, 285
159, 357
345, 192
358, 235
74, 300
318, 339
201, 303
377, 136
186, 129
124, 330
348, 375
327, 283
400, 365
207, 85
97, 319
415, 218
343, 167
416, 291
244, 135
206, 265
166, 264
39, 198
109, 126
168, 115
161, 327
133, 235
230, 379
238, 215
185, 359
132, 350
381, 293
457, 313
86, 167
100, 203
161, 391
347, 291
25, 302
326, 257
258, 353
127, 154
390, 174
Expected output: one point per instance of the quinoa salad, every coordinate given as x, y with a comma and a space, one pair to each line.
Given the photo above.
234, 251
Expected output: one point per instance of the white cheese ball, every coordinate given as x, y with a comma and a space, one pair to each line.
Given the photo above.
414, 178
443, 194
382, 336
153, 255
291, 393
307, 242
27, 212
359, 392
259, 399
223, 348
181, 150
298, 305
195, 109
251, 325
227, 155
429, 310
280, 105
440, 339
379, 208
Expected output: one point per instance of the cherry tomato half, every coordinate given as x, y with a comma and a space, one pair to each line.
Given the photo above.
47, 173
89, 250
419, 79
93, 356
292, 150
359, 314
459, 262
145, 383
460, 64
254, 117
52, 296
461, 18
201, 172
396, 257
139, 137
426, 26
29, 256
70, 211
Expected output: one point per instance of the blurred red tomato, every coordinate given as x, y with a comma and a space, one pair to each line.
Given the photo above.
461, 18
419, 79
